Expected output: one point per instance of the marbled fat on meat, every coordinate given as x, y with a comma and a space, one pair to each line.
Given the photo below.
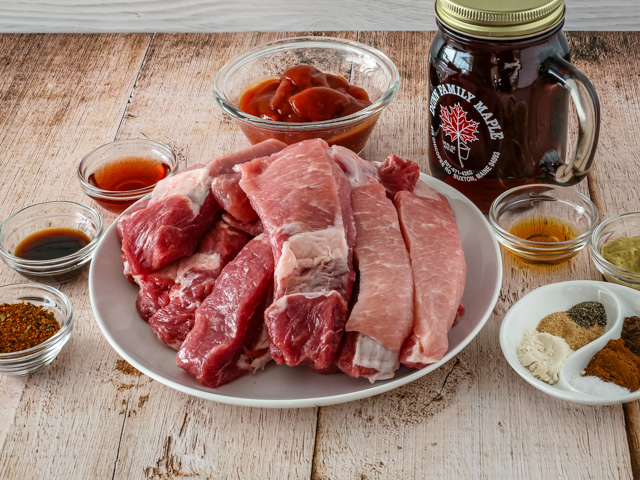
180, 210
439, 272
382, 316
383, 312
303, 200
230, 319
194, 280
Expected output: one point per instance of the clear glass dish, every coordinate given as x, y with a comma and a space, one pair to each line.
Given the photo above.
113, 153
359, 64
51, 299
42, 216
625, 225
544, 207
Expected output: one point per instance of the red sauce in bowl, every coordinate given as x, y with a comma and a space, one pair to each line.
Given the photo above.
304, 94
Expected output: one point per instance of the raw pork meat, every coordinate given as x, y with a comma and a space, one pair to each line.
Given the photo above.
154, 289
398, 175
382, 317
303, 200
231, 198
395, 174
230, 319
252, 229
226, 189
439, 271
195, 278
181, 208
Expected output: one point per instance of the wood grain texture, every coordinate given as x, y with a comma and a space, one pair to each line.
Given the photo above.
474, 417
57, 16
62, 96
615, 176
91, 415
173, 103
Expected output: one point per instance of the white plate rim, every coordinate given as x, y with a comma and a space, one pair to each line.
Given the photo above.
450, 193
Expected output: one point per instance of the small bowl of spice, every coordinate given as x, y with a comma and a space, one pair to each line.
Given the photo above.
120, 173
50, 242
615, 249
35, 322
543, 224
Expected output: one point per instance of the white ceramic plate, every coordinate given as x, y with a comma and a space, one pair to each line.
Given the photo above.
619, 302
113, 301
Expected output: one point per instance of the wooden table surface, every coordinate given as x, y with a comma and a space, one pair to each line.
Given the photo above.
89, 415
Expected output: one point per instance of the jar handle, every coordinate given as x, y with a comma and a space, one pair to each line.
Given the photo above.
585, 98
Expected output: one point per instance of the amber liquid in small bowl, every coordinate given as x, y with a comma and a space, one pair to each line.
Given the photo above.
544, 230
127, 174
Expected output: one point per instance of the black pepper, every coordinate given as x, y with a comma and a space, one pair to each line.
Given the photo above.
587, 314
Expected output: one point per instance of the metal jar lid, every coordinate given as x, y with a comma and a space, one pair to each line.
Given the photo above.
500, 18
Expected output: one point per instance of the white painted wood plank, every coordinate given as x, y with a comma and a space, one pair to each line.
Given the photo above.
268, 15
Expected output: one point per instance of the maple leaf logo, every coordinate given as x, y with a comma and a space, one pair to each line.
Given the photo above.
455, 124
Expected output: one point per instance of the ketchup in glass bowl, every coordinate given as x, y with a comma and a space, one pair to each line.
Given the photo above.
308, 87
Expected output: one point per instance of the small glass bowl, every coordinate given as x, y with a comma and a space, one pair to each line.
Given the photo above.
625, 225
548, 210
34, 358
42, 216
359, 64
111, 158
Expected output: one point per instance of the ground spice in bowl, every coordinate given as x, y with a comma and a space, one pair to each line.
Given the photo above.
617, 364
24, 325
631, 334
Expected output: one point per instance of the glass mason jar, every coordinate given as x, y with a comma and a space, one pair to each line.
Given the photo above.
500, 80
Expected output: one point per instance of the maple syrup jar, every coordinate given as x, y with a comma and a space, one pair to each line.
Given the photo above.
500, 85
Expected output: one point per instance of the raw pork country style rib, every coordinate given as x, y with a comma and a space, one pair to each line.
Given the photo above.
382, 316
226, 189
154, 289
195, 278
180, 210
395, 174
230, 319
304, 202
439, 271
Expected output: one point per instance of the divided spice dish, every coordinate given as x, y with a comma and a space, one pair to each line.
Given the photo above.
618, 301
28, 361
361, 65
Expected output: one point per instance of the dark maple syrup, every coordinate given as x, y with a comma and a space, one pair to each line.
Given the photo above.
52, 243
129, 173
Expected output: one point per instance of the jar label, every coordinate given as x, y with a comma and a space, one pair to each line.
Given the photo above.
458, 119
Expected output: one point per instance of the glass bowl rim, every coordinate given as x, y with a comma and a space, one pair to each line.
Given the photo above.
31, 266
603, 262
300, 42
66, 326
97, 192
543, 247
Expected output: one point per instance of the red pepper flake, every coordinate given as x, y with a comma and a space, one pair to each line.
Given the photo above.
24, 325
